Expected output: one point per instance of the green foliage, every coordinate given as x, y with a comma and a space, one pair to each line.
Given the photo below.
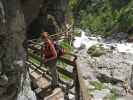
64, 77
72, 3
112, 97
113, 94
35, 61
98, 85
64, 44
106, 16
68, 48
96, 50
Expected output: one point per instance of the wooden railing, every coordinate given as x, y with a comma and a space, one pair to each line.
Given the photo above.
34, 53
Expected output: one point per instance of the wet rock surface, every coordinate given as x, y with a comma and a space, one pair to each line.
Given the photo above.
108, 76
110, 73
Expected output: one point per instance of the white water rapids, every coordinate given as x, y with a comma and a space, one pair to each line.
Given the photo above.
90, 41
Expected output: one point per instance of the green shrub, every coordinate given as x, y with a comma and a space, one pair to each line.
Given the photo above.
105, 16
98, 85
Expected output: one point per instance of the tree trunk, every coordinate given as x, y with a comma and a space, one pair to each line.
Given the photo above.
14, 78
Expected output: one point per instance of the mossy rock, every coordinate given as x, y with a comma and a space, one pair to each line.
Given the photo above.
112, 96
97, 85
96, 50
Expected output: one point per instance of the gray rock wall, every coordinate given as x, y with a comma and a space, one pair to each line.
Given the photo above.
13, 71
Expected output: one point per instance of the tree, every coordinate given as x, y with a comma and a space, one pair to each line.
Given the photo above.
105, 16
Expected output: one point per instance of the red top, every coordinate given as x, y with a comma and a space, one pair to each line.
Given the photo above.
49, 50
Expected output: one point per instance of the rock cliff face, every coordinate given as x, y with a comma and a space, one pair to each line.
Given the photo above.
15, 17
44, 15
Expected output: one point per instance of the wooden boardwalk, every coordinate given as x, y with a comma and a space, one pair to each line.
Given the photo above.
42, 86
41, 78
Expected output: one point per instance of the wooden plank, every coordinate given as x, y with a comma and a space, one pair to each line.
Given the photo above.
61, 70
67, 61
65, 72
34, 48
83, 87
57, 94
39, 80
